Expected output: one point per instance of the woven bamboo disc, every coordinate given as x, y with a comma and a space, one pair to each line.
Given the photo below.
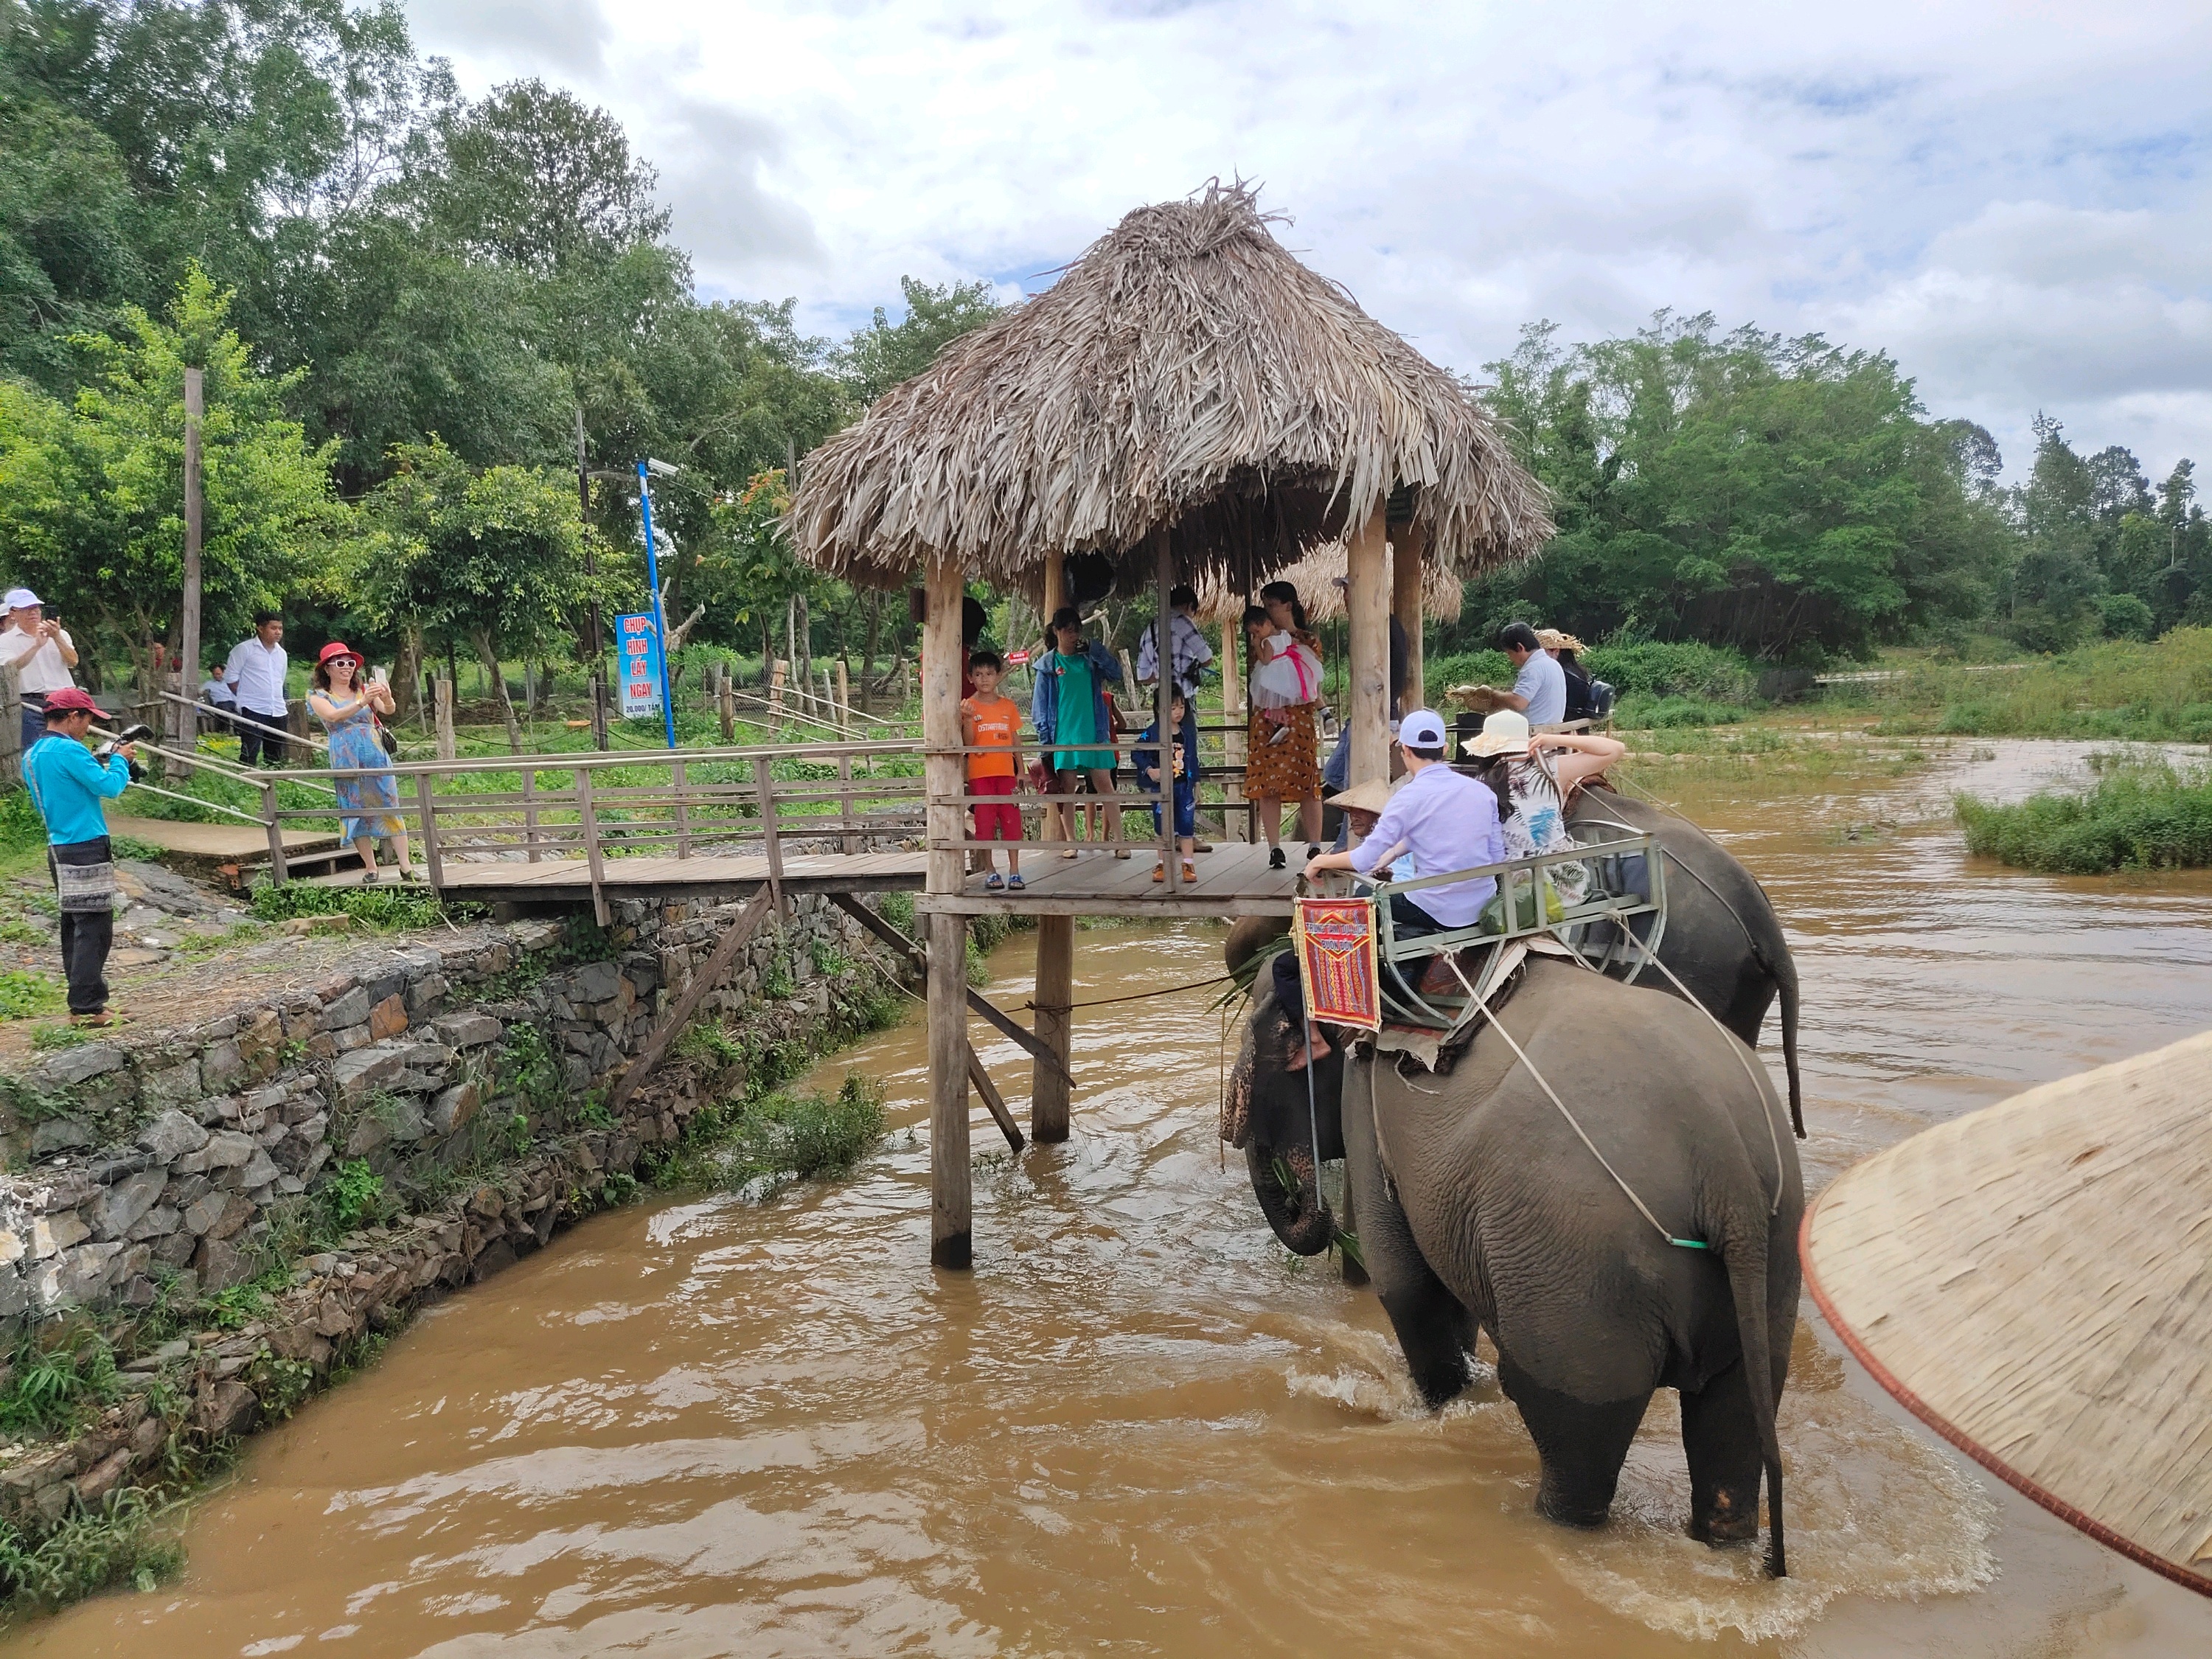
2034, 1282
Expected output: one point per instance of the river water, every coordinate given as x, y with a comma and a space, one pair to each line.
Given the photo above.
705, 1428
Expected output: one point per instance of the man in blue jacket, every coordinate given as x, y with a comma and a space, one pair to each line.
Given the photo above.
67, 783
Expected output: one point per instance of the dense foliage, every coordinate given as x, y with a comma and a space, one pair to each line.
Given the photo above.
2136, 815
1792, 499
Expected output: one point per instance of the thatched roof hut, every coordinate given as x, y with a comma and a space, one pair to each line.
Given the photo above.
2030, 1280
1221, 596
1186, 372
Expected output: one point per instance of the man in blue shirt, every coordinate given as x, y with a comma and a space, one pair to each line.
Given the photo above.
67, 782
1444, 822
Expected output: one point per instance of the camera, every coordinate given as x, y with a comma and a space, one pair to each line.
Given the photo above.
131, 734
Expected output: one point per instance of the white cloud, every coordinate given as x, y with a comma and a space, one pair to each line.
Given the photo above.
2010, 197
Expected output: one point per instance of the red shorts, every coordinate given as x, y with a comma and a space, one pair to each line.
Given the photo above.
994, 822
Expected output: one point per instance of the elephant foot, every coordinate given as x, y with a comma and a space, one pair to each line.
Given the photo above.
1728, 1517
1564, 1507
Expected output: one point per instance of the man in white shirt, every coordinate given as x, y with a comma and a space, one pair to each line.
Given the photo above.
255, 674
1439, 820
40, 653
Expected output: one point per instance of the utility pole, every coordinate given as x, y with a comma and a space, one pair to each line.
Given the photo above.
653, 580
185, 723
594, 645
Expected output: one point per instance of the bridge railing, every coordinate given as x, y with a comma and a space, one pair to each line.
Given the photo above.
532, 809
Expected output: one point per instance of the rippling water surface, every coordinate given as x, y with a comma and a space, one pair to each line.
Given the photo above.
706, 1429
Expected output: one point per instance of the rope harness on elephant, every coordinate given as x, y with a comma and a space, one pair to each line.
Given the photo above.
1759, 1083
1552, 1095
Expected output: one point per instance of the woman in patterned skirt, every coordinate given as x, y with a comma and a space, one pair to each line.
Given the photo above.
1282, 746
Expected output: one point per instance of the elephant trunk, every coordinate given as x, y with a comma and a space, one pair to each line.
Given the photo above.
1287, 1185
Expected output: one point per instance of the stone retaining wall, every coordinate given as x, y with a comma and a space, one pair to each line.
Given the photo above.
159, 1168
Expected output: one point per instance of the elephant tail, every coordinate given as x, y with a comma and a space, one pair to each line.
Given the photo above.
1746, 1261
1788, 978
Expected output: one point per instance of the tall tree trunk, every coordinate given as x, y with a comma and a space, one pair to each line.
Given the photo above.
489, 657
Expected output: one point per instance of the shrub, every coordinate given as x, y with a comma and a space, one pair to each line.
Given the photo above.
779, 1138
123, 1542
1657, 669
2135, 817
385, 909
59, 1377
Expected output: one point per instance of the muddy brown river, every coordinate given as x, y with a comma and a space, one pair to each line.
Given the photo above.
706, 1428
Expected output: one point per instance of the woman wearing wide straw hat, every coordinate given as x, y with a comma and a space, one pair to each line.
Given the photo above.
370, 804
1534, 774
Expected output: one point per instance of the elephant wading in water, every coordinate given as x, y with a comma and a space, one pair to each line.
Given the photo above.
1481, 1205
1722, 940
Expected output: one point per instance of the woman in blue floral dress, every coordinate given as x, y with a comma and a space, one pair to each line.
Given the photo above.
348, 709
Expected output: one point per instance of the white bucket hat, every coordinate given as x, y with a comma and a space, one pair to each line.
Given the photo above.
1505, 732
19, 599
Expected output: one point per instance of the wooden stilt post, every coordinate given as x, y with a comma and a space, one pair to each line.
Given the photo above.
1055, 986
1236, 826
185, 721
1408, 548
1163, 569
1367, 601
951, 1242
1055, 595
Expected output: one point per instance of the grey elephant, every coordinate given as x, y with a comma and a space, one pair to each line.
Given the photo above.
1722, 940
1481, 1205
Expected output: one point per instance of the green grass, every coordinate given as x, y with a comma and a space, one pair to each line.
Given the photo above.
57, 1380
128, 1539
778, 1138
382, 909
2117, 689
26, 995
1641, 711
2135, 817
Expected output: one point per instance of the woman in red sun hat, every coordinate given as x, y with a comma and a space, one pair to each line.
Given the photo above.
369, 802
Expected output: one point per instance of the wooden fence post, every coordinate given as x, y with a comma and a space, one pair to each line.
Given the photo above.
277, 872
443, 697
683, 811
11, 730
764, 794
592, 863
727, 699
433, 855
844, 700
530, 816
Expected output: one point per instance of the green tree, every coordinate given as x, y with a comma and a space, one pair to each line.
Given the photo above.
884, 353
1782, 496
97, 523
492, 558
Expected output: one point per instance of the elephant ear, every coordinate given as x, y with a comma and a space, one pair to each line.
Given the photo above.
1250, 943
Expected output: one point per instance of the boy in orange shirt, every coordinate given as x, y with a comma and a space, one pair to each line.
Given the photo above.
992, 722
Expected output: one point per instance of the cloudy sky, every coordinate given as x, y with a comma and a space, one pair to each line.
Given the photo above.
2015, 201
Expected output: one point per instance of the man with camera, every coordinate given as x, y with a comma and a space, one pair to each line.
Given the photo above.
67, 782
39, 651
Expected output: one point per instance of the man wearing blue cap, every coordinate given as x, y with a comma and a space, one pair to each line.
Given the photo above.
1444, 821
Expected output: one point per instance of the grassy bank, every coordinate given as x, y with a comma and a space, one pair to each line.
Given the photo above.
2135, 816
2160, 692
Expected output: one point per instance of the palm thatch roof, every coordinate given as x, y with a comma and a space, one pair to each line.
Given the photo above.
2030, 1280
1221, 596
1185, 372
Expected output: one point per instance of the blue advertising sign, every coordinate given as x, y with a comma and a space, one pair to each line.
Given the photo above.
637, 652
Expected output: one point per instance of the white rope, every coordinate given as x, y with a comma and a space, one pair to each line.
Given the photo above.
1760, 1085
1521, 1054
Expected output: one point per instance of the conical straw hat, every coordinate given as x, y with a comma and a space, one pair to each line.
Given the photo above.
2034, 1282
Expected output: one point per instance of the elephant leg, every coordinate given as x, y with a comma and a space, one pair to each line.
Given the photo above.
1583, 1445
1720, 1438
1433, 1327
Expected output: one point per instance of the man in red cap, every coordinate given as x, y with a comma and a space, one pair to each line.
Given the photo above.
67, 782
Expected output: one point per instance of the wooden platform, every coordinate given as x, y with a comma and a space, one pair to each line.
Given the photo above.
1233, 880
216, 843
2034, 1282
